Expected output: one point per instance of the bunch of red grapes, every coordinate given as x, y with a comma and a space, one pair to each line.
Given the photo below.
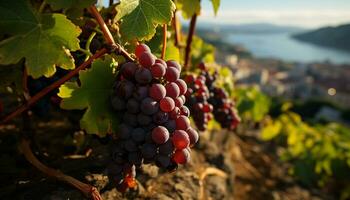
197, 96
154, 127
202, 96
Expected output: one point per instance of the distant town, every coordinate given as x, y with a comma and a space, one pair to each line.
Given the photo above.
322, 81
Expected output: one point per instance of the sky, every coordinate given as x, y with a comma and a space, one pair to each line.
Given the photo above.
303, 13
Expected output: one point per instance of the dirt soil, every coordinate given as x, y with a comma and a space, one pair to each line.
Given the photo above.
224, 166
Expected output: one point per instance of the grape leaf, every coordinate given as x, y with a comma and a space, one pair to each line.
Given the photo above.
44, 40
201, 51
272, 130
67, 4
93, 95
216, 4
172, 52
156, 43
188, 7
140, 18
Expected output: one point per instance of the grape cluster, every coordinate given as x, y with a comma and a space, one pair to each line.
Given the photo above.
155, 128
203, 96
225, 113
198, 95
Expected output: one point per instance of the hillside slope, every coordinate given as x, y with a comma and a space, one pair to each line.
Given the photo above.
335, 37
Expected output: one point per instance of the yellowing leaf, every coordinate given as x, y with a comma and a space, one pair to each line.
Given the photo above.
216, 4
93, 95
172, 52
271, 131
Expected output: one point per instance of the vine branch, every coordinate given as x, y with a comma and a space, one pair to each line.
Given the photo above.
53, 86
189, 39
106, 33
165, 31
111, 2
112, 47
86, 189
177, 30
108, 36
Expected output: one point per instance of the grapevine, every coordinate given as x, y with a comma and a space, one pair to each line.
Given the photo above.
203, 96
143, 103
148, 97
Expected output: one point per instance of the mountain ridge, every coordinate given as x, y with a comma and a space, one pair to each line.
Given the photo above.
337, 37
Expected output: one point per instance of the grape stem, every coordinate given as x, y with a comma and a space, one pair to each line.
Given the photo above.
107, 34
53, 86
189, 40
86, 189
165, 31
177, 30
42, 6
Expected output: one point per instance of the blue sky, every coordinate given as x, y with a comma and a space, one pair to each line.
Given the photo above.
306, 13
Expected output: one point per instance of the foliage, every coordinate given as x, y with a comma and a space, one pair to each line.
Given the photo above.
319, 152
252, 104
201, 52
190, 7
43, 39
93, 95
140, 18
69, 4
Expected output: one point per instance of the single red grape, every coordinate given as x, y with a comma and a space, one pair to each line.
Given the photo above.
141, 48
180, 139
160, 135
167, 104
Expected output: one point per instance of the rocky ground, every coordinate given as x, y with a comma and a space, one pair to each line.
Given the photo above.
224, 165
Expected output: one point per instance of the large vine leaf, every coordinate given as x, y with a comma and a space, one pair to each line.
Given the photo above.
93, 95
188, 7
67, 4
216, 5
140, 18
44, 40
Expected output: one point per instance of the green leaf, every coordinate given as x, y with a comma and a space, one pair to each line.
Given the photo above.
44, 40
93, 95
271, 130
216, 5
67, 4
140, 18
16, 17
172, 52
188, 7
201, 51
156, 43
252, 103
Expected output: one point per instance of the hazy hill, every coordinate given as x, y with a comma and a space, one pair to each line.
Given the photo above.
249, 28
335, 37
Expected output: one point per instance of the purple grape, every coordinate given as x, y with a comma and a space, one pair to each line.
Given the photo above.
149, 106
133, 106
143, 75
